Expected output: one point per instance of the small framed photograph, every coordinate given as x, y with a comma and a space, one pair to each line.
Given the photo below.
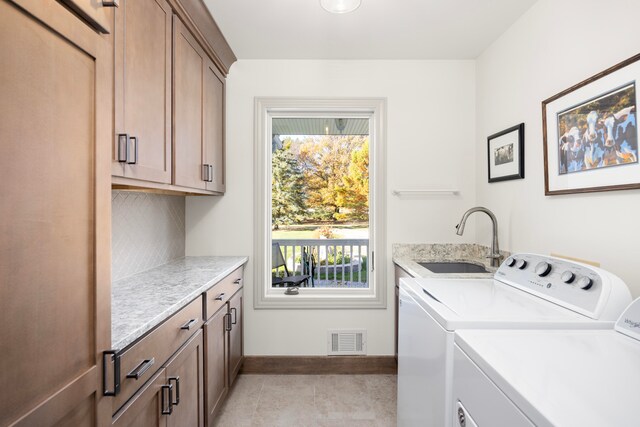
590, 133
506, 154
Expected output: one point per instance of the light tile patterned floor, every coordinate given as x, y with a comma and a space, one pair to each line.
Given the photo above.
310, 400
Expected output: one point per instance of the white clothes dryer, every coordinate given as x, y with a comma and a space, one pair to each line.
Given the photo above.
528, 291
560, 378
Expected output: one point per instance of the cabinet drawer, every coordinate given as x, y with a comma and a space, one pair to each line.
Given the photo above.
146, 356
220, 293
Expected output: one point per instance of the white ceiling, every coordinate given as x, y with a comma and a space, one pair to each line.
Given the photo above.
379, 29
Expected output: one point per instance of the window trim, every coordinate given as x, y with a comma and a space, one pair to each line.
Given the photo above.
265, 297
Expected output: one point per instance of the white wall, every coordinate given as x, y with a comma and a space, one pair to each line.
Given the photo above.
553, 46
430, 144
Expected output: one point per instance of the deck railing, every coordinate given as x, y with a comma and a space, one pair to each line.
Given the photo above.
329, 262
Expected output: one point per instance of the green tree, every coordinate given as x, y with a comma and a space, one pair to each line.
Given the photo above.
288, 194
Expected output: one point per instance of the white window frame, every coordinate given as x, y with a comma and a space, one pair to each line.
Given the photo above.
265, 109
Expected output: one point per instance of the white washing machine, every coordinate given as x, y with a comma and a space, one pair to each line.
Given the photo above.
527, 292
561, 378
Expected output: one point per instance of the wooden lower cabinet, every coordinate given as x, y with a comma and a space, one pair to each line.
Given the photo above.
236, 351
216, 372
223, 341
55, 132
145, 407
173, 396
185, 374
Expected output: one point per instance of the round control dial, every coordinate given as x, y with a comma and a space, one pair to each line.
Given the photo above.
521, 264
584, 283
568, 276
543, 268
511, 261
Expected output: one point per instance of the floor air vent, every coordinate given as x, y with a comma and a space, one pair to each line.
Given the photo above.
351, 342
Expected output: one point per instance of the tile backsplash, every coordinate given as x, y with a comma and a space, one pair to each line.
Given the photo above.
147, 230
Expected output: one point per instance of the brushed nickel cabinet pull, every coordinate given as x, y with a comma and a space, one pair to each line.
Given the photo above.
220, 297
177, 387
234, 312
210, 173
110, 3
132, 153
123, 145
116, 373
237, 281
205, 172
169, 399
227, 326
187, 326
141, 368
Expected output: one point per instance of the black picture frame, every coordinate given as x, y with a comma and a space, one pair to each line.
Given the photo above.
505, 154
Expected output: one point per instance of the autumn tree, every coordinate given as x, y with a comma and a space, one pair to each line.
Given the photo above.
354, 195
325, 162
288, 194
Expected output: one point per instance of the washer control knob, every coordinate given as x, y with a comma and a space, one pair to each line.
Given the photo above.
543, 268
521, 264
568, 276
584, 283
511, 261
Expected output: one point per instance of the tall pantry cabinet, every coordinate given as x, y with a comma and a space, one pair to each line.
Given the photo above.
75, 76
55, 131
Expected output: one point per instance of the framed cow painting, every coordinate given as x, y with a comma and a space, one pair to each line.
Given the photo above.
590, 133
505, 154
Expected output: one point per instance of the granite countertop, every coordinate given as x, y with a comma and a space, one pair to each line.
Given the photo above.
142, 301
407, 256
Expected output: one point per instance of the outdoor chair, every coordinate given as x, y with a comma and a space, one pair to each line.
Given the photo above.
277, 261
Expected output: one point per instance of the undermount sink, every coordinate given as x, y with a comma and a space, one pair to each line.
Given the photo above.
453, 267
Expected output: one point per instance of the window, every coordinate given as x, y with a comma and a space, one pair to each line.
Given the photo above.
319, 219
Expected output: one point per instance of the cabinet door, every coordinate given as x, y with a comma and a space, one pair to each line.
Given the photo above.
185, 373
143, 89
216, 374
189, 65
236, 351
213, 125
145, 408
55, 109
94, 11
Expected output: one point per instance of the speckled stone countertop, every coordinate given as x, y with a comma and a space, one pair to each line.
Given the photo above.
407, 256
142, 301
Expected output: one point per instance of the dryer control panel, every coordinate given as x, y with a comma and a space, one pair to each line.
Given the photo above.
579, 287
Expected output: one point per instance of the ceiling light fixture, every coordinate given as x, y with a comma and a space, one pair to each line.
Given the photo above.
340, 6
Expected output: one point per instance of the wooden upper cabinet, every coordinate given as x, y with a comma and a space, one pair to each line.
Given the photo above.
213, 125
198, 109
142, 37
189, 63
56, 104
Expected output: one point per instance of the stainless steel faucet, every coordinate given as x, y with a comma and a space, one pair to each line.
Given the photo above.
495, 249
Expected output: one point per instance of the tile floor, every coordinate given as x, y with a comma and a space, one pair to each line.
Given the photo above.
310, 400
